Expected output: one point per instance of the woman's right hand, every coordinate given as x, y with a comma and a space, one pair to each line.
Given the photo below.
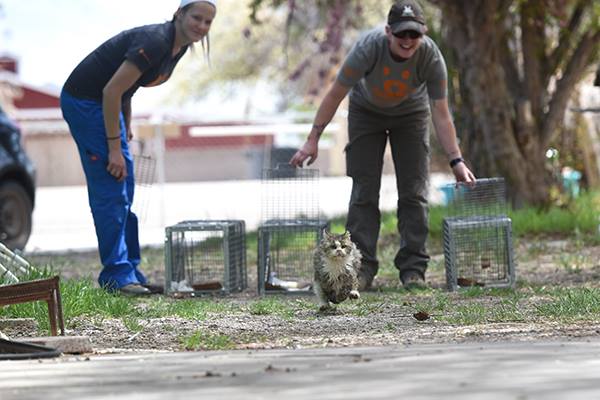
116, 165
325, 113
309, 152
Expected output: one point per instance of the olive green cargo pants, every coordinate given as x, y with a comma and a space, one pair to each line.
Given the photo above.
408, 136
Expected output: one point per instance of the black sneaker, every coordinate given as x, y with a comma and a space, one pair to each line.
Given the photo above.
365, 282
412, 280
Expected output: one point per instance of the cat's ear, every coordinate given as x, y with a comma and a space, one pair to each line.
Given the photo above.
326, 233
347, 235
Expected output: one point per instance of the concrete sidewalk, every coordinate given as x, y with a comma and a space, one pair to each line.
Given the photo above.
549, 370
62, 219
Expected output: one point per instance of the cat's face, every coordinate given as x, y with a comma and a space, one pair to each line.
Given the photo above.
336, 246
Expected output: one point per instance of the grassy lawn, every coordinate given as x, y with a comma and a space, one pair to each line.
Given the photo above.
560, 286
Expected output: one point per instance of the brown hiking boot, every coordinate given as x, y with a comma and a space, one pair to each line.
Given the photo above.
134, 289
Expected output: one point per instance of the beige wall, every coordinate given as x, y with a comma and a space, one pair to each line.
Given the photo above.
197, 164
57, 161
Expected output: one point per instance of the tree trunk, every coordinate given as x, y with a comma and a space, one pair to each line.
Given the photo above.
499, 134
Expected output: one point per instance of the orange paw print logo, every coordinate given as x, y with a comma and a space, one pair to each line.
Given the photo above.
393, 90
143, 54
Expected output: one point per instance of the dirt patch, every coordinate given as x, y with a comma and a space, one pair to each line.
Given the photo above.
266, 332
382, 317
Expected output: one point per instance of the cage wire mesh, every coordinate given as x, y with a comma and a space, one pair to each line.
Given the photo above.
290, 229
144, 170
205, 256
290, 194
13, 267
477, 235
487, 198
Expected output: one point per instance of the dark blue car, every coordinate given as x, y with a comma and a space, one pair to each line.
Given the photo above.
17, 186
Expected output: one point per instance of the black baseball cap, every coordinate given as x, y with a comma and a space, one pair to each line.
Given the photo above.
406, 15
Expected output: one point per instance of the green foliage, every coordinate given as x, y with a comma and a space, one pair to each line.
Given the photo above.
436, 303
572, 263
474, 305
275, 305
132, 323
572, 304
436, 216
476, 312
293, 52
79, 297
202, 340
508, 311
580, 216
467, 314
476, 291
369, 304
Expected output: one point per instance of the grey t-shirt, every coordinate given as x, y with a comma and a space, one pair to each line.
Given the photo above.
384, 85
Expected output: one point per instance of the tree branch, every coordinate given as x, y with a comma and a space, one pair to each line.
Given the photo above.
566, 37
509, 64
534, 54
581, 59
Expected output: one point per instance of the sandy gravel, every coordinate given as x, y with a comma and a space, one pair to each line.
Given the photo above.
385, 316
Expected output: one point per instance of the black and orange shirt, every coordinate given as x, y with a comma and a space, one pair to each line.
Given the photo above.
385, 85
149, 47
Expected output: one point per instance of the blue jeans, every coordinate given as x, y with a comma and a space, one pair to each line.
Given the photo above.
110, 200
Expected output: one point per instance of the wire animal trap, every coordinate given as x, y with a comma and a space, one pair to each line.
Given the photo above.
285, 255
290, 193
144, 166
205, 256
477, 235
12, 266
290, 231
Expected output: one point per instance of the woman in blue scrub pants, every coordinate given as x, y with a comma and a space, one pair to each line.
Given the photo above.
96, 103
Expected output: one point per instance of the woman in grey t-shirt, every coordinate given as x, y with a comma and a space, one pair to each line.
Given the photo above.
396, 79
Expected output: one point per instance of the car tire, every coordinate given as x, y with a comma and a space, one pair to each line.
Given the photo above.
15, 215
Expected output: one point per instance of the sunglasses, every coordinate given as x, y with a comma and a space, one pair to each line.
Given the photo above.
408, 34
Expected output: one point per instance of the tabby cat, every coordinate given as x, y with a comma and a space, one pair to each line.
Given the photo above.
336, 263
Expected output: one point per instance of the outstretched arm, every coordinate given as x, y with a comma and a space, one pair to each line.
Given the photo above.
325, 113
446, 134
